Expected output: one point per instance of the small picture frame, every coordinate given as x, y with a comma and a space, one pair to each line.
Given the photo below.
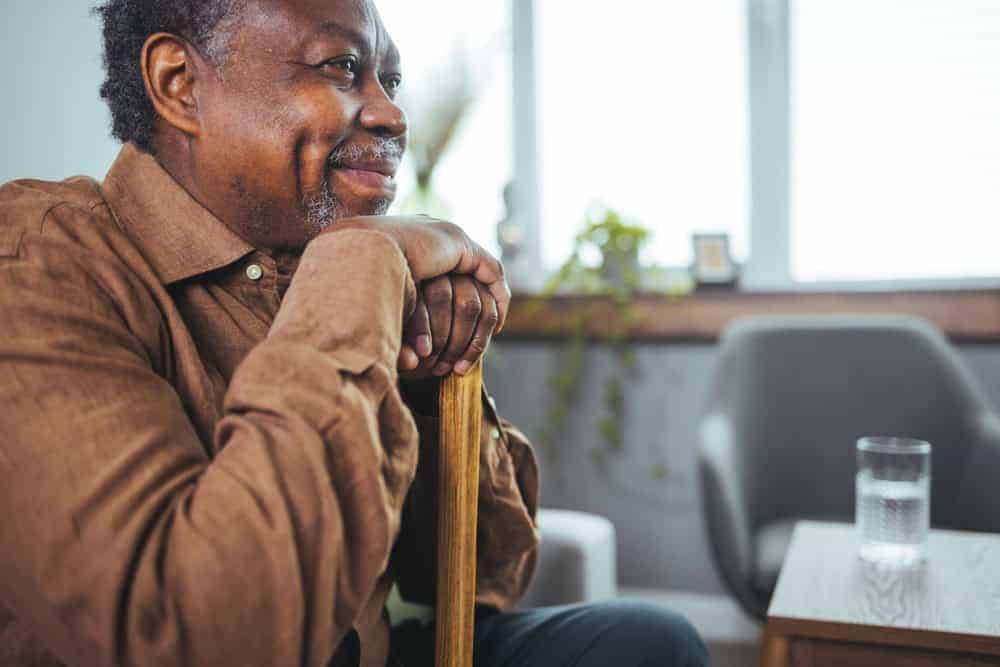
713, 265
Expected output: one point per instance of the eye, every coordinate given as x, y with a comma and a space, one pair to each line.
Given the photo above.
391, 83
342, 68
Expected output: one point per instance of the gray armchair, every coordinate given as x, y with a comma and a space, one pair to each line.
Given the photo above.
790, 397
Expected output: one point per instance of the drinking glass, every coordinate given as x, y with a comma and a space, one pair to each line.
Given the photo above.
892, 506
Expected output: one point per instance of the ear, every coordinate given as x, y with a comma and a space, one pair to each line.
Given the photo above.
168, 69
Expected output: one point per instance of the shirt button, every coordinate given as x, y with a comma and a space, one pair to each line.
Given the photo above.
254, 272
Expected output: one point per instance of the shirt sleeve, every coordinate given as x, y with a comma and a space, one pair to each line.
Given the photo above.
123, 541
507, 534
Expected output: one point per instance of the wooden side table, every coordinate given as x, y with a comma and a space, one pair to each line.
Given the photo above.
831, 608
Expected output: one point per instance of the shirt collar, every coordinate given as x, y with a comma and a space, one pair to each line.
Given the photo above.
178, 236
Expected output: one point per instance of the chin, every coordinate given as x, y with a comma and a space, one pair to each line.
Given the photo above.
380, 207
364, 207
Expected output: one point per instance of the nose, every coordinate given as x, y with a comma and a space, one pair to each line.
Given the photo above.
382, 116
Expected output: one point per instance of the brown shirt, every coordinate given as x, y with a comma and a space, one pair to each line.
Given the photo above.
198, 467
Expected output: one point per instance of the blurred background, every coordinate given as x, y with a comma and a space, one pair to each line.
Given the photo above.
839, 157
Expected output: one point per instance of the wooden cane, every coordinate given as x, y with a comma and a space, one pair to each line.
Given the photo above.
461, 412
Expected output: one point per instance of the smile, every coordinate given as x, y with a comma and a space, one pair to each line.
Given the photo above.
365, 181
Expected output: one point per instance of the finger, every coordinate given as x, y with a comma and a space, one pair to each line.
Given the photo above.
474, 260
408, 359
418, 329
501, 293
484, 331
467, 308
490, 272
438, 298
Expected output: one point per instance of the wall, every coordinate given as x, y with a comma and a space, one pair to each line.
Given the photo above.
53, 123
661, 538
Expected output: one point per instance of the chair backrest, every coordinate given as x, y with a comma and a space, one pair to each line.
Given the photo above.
799, 391
458, 500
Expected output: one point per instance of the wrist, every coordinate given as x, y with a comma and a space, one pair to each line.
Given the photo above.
371, 223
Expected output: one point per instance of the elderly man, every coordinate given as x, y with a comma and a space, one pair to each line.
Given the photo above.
219, 370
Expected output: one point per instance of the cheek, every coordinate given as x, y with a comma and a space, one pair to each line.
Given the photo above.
278, 141
248, 133
322, 115
256, 136
322, 120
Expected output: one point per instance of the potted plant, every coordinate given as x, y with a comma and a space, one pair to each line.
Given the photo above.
604, 262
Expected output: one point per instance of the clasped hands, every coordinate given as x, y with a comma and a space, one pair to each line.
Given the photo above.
462, 295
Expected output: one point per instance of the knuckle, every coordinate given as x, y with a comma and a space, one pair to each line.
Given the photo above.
438, 294
439, 339
470, 309
490, 318
477, 347
449, 228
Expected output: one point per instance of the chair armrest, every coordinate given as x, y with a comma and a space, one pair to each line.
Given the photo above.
576, 560
724, 503
576, 563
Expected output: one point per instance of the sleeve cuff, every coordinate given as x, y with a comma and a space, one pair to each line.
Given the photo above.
349, 298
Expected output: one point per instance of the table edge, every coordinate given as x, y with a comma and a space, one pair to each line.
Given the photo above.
898, 637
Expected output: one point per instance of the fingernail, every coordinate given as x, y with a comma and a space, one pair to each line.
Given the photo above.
462, 367
424, 345
442, 369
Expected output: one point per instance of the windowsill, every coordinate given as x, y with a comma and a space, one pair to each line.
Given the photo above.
963, 314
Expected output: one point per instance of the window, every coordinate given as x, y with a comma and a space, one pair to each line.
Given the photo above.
873, 128
895, 135
642, 106
450, 48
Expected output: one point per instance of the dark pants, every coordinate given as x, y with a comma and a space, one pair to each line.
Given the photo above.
618, 633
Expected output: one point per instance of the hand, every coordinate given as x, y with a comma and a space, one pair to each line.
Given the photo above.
434, 248
450, 328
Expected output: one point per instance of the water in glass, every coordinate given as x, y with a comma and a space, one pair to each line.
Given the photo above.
893, 499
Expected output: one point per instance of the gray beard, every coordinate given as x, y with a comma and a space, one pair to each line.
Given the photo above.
322, 209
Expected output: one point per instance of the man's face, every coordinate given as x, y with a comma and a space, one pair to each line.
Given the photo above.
299, 127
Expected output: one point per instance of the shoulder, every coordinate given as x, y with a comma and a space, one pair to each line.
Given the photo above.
71, 213
72, 210
64, 233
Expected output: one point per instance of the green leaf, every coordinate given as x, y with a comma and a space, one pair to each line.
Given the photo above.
661, 472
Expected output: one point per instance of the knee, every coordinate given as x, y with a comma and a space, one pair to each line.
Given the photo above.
657, 635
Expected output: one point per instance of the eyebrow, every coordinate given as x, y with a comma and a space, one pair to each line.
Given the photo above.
343, 31
392, 56
357, 37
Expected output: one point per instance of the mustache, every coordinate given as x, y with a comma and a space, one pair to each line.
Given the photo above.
381, 148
